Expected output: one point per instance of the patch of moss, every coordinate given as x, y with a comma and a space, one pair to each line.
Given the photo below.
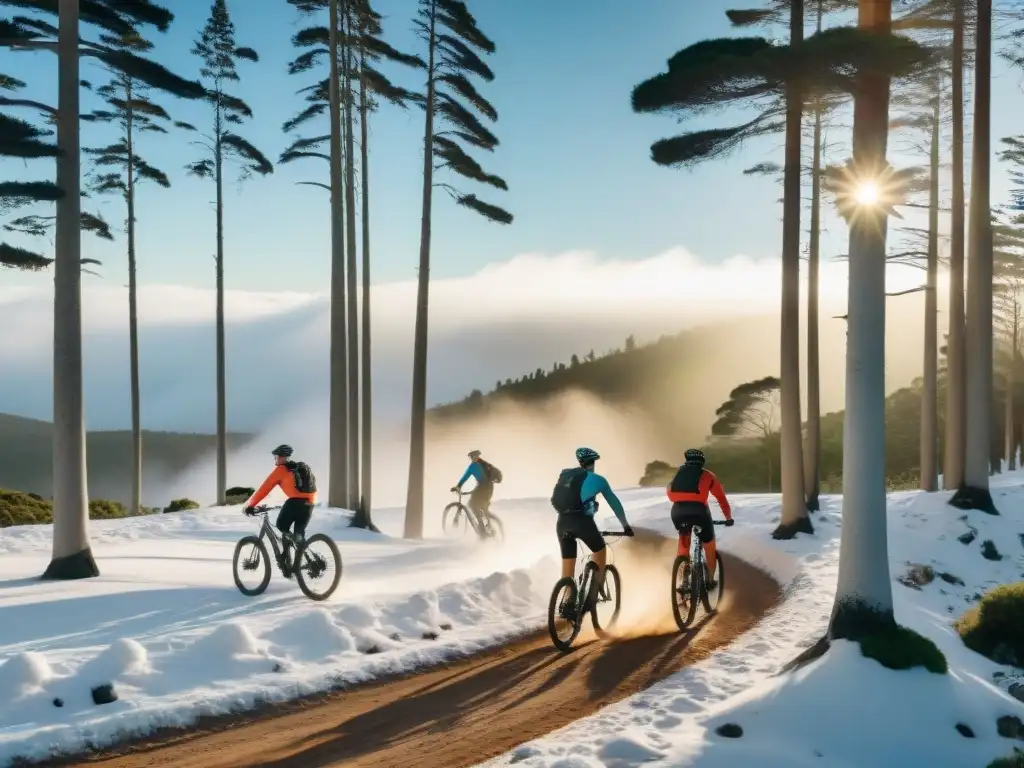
902, 648
1016, 760
995, 626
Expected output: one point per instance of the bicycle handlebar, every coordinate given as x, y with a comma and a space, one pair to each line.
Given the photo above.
616, 533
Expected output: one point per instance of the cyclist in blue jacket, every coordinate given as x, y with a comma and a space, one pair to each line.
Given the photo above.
486, 475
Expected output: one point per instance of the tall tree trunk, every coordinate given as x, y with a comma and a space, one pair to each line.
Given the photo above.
863, 601
930, 384
222, 416
812, 450
350, 268
1011, 386
794, 506
133, 314
417, 428
956, 414
364, 515
338, 489
974, 494
72, 553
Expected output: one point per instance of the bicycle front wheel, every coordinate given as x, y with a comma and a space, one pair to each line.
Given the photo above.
318, 568
684, 606
251, 566
609, 601
564, 619
455, 520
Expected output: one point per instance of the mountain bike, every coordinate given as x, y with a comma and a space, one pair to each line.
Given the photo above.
566, 608
689, 581
458, 519
318, 572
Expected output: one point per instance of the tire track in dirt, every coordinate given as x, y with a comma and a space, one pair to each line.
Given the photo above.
462, 713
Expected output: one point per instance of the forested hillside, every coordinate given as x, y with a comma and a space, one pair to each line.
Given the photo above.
26, 457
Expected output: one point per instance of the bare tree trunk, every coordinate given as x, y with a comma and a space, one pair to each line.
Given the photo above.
338, 489
812, 451
417, 428
72, 554
956, 404
930, 384
133, 317
222, 416
795, 518
1011, 386
364, 515
350, 267
974, 494
863, 601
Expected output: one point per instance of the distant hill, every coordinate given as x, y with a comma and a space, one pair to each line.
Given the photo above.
26, 457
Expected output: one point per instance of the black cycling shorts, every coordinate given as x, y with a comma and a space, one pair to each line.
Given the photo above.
295, 512
576, 525
686, 514
480, 497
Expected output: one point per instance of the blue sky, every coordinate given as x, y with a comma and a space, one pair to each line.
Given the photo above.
574, 155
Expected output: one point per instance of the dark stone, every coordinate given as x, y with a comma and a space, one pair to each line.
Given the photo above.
375, 649
970, 497
965, 731
1010, 727
1016, 690
104, 694
447, 627
989, 551
949, 578
58, 702
784, 532
1021, 537
430, 635
729, 730
80, 565
278, 667
396, 637
967, 538
917, 576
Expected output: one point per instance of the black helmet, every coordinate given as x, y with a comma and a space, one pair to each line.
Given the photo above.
695, 456
283, 450
586, 456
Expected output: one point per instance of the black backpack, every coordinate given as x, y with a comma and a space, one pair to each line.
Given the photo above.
566, 496
305, 480
491, 472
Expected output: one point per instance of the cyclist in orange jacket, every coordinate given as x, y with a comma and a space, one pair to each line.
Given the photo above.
688, 493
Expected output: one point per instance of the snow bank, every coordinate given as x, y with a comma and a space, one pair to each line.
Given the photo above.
843, 710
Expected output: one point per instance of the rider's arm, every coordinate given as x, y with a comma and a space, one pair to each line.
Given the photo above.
473, 470
719, 493
273, 479
613, 501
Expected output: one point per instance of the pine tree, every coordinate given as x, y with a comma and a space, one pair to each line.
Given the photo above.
219, 55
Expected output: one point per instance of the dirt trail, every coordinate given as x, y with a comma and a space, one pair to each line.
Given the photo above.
477, 708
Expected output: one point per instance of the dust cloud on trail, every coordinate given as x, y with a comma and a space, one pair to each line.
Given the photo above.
645, 564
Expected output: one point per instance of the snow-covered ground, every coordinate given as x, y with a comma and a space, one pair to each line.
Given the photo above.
843, 710
166, 625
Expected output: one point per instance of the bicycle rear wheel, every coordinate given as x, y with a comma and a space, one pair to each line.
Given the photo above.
564, 601
713, 598
497, 529
253, 561
318, 567
609, 601
455, 520
684, 602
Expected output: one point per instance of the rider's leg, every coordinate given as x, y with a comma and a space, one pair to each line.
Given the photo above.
286, 518
566, 545
682, 524
707, 538
591, 536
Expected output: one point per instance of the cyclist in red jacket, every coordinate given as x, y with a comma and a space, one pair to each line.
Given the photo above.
688, 493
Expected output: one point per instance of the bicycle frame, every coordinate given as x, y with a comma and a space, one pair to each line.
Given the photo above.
267, 531
581, 562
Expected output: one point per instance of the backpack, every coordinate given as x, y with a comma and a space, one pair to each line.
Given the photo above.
305, 480
491, 472
566, 496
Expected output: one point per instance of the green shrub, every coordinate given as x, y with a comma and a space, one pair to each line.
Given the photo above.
657, 473
17, 508
995, 626
1016, 760
180, 505
903, 648
240, 490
